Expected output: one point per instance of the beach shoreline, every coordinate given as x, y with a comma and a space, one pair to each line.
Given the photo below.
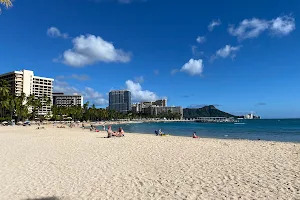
73, 163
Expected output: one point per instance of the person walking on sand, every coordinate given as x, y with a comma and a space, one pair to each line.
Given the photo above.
194, 135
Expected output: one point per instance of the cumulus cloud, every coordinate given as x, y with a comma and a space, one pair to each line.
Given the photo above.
282, 26
89, 94
213, 24
62, 86
90, 49
201, 39
193, 67
94, 96
227, 51
55, 32
249, 28
252, 28
137, 92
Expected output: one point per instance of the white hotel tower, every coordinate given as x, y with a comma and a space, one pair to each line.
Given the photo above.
25, 81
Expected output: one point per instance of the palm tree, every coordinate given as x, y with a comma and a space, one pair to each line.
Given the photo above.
21, 107
4, 95
10, 105
46, 101
35, 104
6, 3
4, 89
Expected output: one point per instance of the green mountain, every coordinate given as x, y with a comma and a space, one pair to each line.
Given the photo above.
206, 111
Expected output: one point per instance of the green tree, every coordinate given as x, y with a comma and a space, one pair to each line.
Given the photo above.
21, 108
4, 95
35, 104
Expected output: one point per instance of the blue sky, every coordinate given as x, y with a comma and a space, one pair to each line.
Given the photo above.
241, 56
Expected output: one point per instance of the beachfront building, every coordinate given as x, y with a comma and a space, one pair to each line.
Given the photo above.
26, 82
139, 107
159, 110
120, 100
64, 100
156, 108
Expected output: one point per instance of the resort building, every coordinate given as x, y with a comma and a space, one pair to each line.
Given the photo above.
157, 110
26, 82
138, 107
63, 100
120, 100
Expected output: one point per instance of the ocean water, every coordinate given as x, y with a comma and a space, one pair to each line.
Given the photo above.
285, 130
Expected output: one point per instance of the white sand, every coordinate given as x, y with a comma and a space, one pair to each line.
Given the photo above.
79, 164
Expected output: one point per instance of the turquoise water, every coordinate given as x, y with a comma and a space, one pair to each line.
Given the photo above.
285, 130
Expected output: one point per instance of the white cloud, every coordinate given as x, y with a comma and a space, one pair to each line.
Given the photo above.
251, 28
138, 94
282, 26
201, 39
90, 49
55, 32
89, 94
62, 86
94, 96
227, 51
213, 24
193, 67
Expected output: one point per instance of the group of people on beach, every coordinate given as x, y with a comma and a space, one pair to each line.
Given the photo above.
111, 133
160, 133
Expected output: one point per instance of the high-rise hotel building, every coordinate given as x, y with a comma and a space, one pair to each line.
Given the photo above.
120, 100
26, 82
67, 100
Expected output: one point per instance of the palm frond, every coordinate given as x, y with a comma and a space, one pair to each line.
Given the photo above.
6, 3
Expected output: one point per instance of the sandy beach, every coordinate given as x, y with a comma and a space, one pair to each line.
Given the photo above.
79, 164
